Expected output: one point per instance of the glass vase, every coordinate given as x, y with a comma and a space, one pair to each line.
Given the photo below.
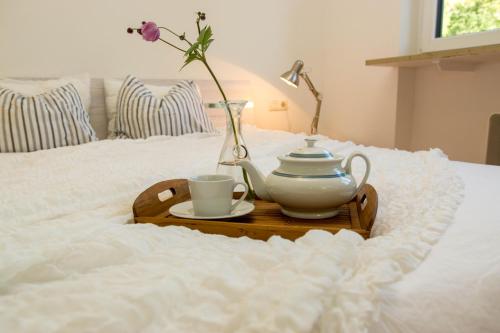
234, 147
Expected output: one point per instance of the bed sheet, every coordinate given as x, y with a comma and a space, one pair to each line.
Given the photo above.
67, 262
457, 287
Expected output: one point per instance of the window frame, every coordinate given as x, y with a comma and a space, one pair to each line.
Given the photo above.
429, 25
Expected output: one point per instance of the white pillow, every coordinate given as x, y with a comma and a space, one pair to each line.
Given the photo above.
48, 120
140, 114
37, 87
112, 88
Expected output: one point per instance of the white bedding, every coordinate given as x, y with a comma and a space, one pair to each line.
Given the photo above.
68, 263
457, 287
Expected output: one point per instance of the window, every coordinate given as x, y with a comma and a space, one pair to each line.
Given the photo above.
449, 24
458, 17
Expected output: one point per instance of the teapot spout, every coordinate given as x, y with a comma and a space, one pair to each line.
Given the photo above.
257, 178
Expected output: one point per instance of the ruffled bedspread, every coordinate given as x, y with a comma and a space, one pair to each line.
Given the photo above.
69, 262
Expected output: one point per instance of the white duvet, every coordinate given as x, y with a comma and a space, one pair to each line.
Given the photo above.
69, 261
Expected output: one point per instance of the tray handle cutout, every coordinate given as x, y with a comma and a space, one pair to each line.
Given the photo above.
157, 199
367, 204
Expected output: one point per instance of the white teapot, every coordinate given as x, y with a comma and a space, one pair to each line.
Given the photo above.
310, 182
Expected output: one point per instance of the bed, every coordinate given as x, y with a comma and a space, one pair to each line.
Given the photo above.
456, 288
71, 260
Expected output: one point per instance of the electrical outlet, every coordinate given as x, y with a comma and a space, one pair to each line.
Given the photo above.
277, 105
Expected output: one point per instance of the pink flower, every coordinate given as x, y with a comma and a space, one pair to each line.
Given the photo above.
150, 31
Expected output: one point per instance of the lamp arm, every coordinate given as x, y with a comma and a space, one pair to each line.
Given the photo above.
311, 86
315, 121
319, 101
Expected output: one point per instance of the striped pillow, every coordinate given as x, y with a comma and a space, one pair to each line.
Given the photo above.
49, 120
141, 115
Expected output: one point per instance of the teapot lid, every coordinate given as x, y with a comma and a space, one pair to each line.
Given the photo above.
311, 151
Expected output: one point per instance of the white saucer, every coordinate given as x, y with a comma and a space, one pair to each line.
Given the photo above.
185, 210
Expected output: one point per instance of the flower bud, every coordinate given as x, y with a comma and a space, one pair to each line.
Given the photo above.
201, 16
150, 32
130, 30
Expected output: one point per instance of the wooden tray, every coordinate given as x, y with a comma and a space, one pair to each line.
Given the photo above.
265, 221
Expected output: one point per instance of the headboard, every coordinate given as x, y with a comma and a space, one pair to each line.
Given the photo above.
210, 93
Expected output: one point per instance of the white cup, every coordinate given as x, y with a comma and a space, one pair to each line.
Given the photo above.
212, 194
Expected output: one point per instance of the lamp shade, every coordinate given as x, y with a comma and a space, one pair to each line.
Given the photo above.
292, 77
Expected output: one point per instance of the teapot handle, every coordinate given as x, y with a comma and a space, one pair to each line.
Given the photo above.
367, 171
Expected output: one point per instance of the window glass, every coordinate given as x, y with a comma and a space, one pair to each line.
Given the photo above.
458, 17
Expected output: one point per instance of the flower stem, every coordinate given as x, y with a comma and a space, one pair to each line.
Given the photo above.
176, 35
251, 193
198, 25
204, 61
175, 47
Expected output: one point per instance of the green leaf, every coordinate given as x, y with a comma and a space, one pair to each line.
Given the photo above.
205, 34
205, 38
190, 58
206, 45
193, 48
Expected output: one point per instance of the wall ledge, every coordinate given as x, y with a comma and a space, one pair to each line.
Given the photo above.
464, 59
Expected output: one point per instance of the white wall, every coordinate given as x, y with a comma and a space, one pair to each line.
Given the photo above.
255, 40
407, 108
360, 101
452, 110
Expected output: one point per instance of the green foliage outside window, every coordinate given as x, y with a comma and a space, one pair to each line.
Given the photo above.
469, 16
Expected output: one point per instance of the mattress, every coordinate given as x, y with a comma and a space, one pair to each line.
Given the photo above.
457, 287
69, 264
